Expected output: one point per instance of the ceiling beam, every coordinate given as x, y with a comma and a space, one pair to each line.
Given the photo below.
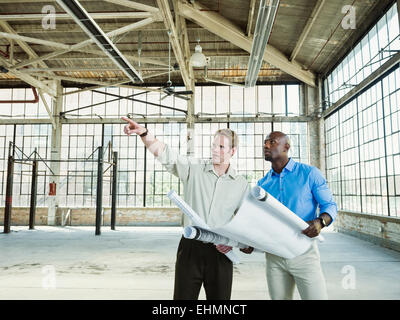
12, 48
24, 77
134, 5
34, 27
169, 24
250, 18
35, 1
75, 69
29, 79
225, 29
95, 87
183, 36
79, 46
35, 40
24, 46
101, 83
48, 109
311, 20
91, 28
84, 69
65, 16
150, 56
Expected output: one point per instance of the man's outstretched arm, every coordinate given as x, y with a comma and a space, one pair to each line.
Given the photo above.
174, 163
156, 147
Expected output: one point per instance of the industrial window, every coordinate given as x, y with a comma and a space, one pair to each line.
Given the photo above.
23, 110
376, 47
249, 160
262, 100
28, 138
130, 167
158, 180
115, 102
363, 150
143, 182
6, 135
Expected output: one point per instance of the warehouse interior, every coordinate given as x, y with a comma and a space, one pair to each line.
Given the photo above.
100, 225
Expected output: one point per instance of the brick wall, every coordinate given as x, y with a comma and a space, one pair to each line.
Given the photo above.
87, 216
381, 230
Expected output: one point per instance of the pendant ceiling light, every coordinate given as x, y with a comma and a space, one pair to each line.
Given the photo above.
198, 59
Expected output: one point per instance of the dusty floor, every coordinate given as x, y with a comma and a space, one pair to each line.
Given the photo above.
138, 263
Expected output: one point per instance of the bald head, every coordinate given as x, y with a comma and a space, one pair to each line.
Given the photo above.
281, 136
276, 146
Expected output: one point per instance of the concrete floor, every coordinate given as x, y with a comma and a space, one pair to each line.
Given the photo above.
138, 263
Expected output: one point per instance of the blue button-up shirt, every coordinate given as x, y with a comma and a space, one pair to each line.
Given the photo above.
301, 188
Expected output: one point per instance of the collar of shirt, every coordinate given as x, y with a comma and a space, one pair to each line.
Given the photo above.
210, 167
289, 167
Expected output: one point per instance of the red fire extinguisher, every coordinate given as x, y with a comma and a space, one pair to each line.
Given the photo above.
52, 191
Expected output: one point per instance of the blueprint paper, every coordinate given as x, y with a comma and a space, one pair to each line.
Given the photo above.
186, 209
268, 226
197, 221
261, 222
211, 237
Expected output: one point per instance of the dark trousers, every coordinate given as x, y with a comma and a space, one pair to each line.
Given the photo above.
200, 263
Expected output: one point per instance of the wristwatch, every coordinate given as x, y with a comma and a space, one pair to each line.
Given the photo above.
322, 222
144, 133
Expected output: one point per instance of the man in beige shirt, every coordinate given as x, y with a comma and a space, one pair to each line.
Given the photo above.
214, 190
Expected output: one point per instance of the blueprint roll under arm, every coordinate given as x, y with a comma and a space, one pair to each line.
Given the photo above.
197, 221
199, 234
209, 236
187, 210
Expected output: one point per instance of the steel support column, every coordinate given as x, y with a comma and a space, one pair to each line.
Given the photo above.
9, 188
32, 209
114, 190
99, 193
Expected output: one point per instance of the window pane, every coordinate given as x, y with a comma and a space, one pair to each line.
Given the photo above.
278, 97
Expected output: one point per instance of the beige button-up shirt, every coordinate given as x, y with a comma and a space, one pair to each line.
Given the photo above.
215, 199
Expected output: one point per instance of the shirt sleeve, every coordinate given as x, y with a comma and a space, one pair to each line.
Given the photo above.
323, 194
174, 163
261, 181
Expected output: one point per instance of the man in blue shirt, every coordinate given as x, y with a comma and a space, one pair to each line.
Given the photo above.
302, 189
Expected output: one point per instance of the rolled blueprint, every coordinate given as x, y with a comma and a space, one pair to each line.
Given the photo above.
186, 209
264, 223
197, 221
273, 204
261, 222
209, 236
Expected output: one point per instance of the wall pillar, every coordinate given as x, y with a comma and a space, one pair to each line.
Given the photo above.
315, 131
55, 154
190, 124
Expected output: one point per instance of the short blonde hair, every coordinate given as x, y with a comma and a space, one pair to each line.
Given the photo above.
230, 134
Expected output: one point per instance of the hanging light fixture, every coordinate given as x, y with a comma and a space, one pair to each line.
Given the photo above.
262, 32
198, 59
